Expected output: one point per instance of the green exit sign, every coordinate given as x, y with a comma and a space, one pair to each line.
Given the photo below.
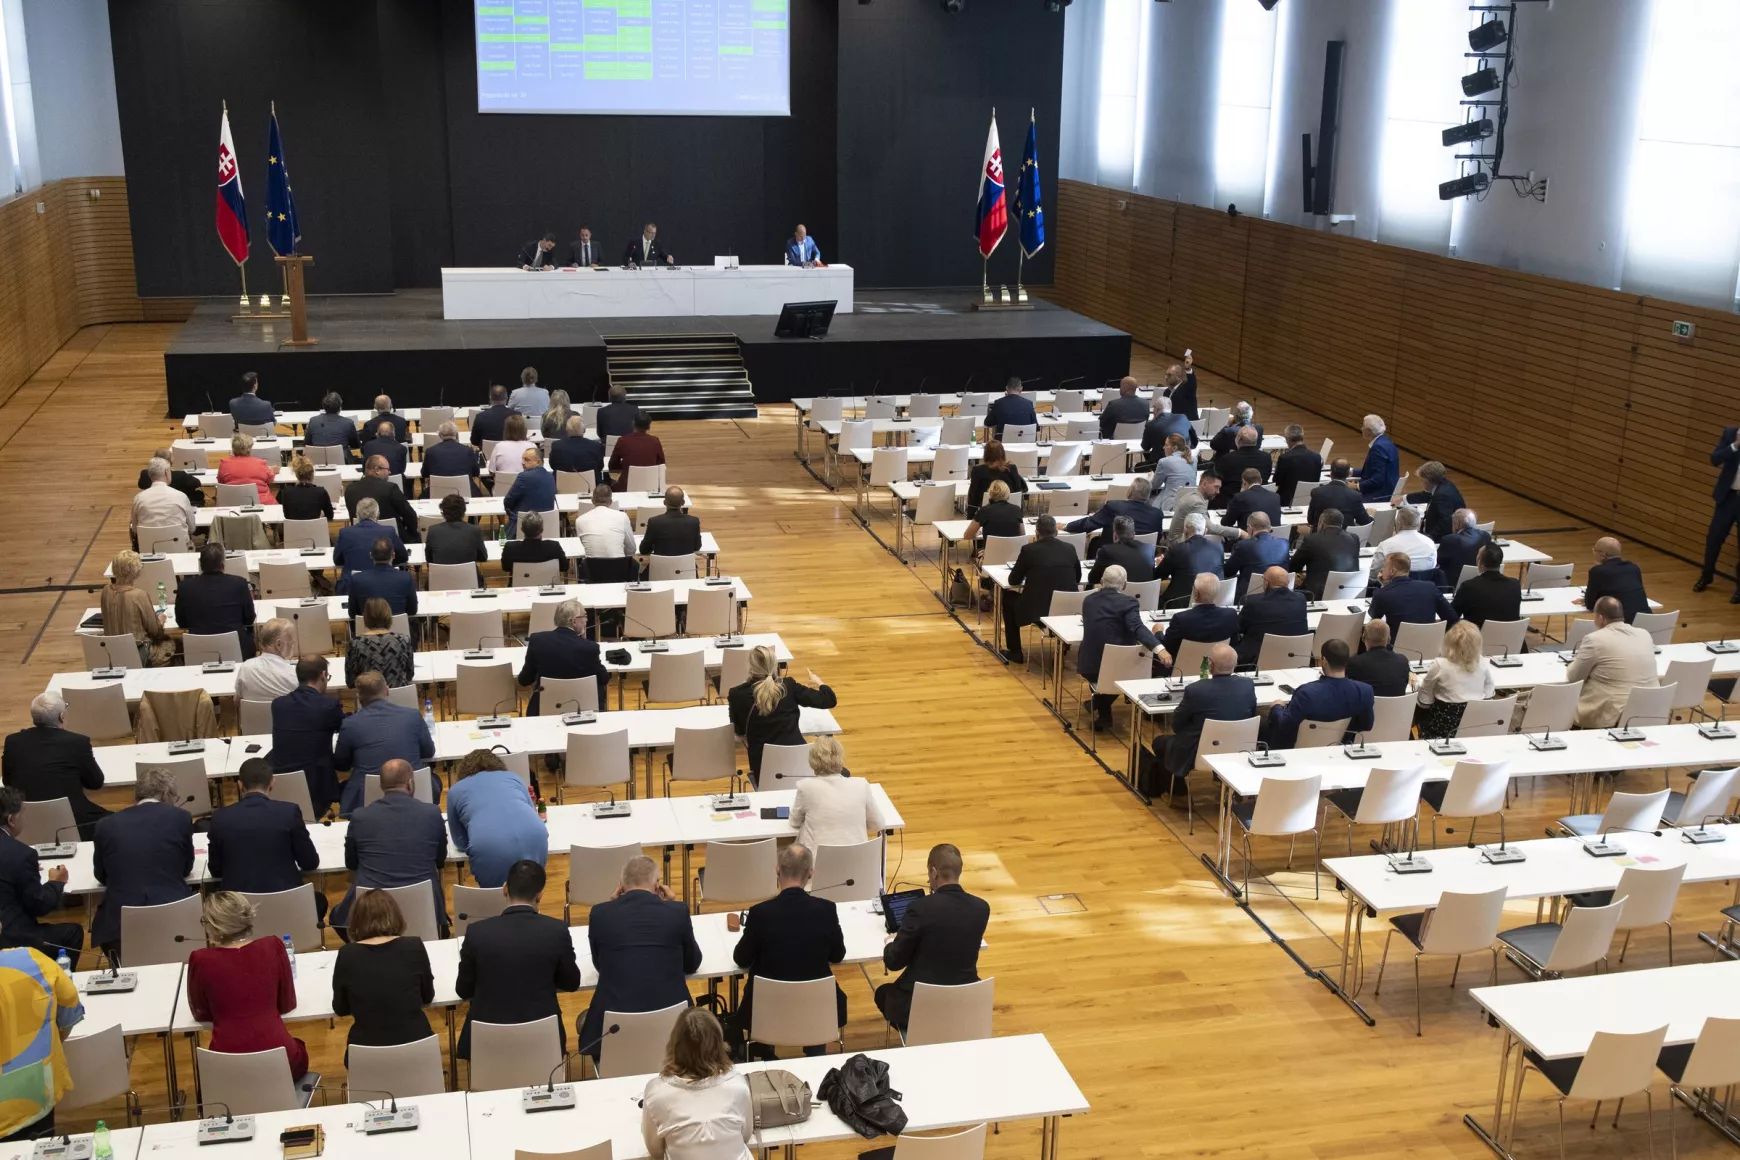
1682, 330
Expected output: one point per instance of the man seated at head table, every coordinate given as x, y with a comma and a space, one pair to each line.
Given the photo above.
1611, 661
1278, 610
1377, 664
48, 761
1108, 617
1204, 622
938, 940
396, 840
1331, 697
643, 947
378, 733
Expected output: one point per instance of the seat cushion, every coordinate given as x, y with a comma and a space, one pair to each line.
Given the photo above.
306, 1085
1670, 813
1534, 942
1582, 825
1409, 926
1346, 800
1432, 793
1673, 1060
1243, 809
1561, 1073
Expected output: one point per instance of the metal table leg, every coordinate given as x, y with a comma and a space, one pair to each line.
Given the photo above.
452, 1047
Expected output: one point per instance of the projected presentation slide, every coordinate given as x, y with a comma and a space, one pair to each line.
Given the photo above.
725, 57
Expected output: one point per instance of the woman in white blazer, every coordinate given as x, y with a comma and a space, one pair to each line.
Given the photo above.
833, 808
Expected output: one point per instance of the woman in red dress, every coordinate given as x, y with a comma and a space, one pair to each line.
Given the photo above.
241, 985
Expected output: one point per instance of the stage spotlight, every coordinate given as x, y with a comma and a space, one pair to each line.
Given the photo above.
1468, 131
1474, 183
1488, 36
953, 6
1476, 83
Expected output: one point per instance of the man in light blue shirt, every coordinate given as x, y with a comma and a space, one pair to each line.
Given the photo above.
529, 398
800, 249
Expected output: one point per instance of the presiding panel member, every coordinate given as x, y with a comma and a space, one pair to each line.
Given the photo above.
646, 251
938, 940
584, 251
801, 249
539, 255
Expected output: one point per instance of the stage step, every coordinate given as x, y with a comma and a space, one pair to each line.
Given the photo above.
681, 376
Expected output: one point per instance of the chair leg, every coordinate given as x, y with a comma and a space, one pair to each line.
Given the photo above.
1670, 932
1562, 1129
1454, 971
1379, 989
1624, 946
1419, 1028
1649, 1117
1317, 863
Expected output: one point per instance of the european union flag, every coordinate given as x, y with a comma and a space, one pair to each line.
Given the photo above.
282, 231
1027, 207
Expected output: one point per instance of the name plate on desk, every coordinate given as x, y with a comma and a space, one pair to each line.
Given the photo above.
112, 673
1722, 647
217, 667
1445, 747
118, 983
478, 654
180, 747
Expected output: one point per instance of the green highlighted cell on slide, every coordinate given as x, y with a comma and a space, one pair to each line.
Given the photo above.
619, 70
629, 8
778, 6
496, 65
495, 10
736, 50
513, 37
531, 20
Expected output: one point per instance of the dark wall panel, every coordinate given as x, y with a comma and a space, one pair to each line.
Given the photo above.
916, 88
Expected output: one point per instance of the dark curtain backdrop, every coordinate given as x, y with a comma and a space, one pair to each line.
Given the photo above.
397, 174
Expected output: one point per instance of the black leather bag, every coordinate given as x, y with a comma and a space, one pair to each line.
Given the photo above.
857, 1091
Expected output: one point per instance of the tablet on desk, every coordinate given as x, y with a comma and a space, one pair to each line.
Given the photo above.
894, 907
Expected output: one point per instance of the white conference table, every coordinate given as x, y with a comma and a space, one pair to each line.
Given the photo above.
567, 503
650, 292
299, 419
320, 559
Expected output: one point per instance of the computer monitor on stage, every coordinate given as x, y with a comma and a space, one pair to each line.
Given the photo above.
804, 319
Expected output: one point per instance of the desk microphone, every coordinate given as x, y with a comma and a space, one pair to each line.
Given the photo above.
1359, 750
388, 1119
229, 1128
1500, 855
1419, 657
1602, 848
731, 799
612, 808
1702, 836
580, 716
1076, 379
57, 848
1263, 758
110, 671
551, 1097
1504, 660
496, 722
1626, 733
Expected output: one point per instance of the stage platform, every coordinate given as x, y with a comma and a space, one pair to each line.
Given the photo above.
399, 344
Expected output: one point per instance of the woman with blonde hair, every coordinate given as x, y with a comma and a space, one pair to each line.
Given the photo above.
993, 467
243, 467
997, 516
697, 1107
1459, 676
556, 414
833, 808
304, 499
765, 708
128, 611
242, 985
506, 455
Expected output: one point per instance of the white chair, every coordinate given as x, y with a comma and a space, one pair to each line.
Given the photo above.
1489, 718
1147, 594
964, 1145
289, 912
237, 495
1068, 402
1392, 719
511, 1055
119, 651
1284, 807
313, 631
1576, 630
1285, 652
1345, 585
671, 568
501, 482
467, 630
307, 534
1549, 576
1648, 705
162, 538
1476, 789
1649, 892
1107, 458
975, 403
557, 695
166, 933
711, 612
888, 465
574, 483
1081, 430
957, 431
737, 873
1707, 797
543, 616
596, 760
1024, 460
99, 711
485, 689
637, 1046
198, 649
851, 873
1390, 797
1659, 625
1317, 734
1019, 433
407, 1069
1067, 505
647, 478
292, 786
801, 1014
1343, 626
650, 614
950, 1014
936, 500
1552, 707
417, 904
922, 407
1191, 654
783, 763
704, 754
405, 695
1691, 680
1124, 432
47, 823
530, 574
1625, 813
189, 459
1420, 642
518, 764
1710, 1064
1066, 603
1218, 738
594, 872
1461, 924
1120, 662
333, 481
1545, 949
98, 1066
474, 904
879, 407
1504, 637
1065, 460
451, 577
422, 787
552, 524
1001, 550
675, 677
1076, 540
254, 1082
1383, 525
216, 425
192, 786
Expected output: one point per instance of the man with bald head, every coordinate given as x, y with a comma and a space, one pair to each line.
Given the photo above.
1277, 610
1225, 696
534, 489
1331, 697
1204, 622
673, 532
1180, 386
391, 502
1254, 554
1462, 545
1611, 661
377, 734
383, 440
1108, 616
1613, 575
1128, 407
1184, 561
574, 452
643, 946
394, 841
1244, 452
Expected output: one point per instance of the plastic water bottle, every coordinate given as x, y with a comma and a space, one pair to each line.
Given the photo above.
429, 716
290, 949
63, 961
101, 1148
1203, 672
162, 597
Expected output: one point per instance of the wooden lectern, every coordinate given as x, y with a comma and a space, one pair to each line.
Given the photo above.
292, 266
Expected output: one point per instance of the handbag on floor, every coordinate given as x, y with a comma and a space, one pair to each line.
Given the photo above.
960, 592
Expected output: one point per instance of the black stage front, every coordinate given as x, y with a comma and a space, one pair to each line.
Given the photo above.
400, 344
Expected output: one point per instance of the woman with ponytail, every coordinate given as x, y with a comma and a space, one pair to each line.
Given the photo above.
764, 709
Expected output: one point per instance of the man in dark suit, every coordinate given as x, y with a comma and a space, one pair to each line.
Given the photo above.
1726, 459
645, 250
1462, 546
938, 940
643, 946
1246, 454
1383, 464
215, 602
1339, 495
1277, 610
583, 251
487, 424
249, 407
1204, 622
1330, 697
562, 654
1012, 410
389, 500
261, 846
1124, 550
45, 762
1254, 554
1379, 665
793, 936
384, 443
1238, 421
376, 735
1164, 422
304, 722
1405, 600
1180, 386
539, 255
1297, 466
575, 452
1442, 499
449, 458
354, 549
1127, 408
1108, 617
617, 416
394, 841
1490, 594
1043, 566
397, 587
142, 856
384, 413
672, 532
533, 490
1331, 548
1223, 697
25, 896
1252, 497
512, 966
1144, 517
1189, 558
1613, 575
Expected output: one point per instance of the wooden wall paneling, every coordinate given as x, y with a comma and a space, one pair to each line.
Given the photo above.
35, 291
1355, 295
1208, 287
1269, 328
1080, 267
105, 290
1148, 238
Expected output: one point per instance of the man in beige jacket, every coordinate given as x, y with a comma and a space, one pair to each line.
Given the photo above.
1611, 661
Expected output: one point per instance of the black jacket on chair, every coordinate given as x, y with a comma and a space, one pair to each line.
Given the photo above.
644, 949
1041, 568
671, 534
562, 654
512, 967
260, 846
25, 897
1298, 466
1620, 579
142, 856
44, 764
1320, 553
1489, 596
1137, 561
793, 936
1276, 612
938, 942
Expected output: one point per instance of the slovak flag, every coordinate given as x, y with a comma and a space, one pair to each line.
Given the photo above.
993, 214
232, 211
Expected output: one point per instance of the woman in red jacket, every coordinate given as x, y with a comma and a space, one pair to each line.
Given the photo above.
242, 467
242, 985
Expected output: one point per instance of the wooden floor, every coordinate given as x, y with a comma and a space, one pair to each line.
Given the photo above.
1191, 1033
